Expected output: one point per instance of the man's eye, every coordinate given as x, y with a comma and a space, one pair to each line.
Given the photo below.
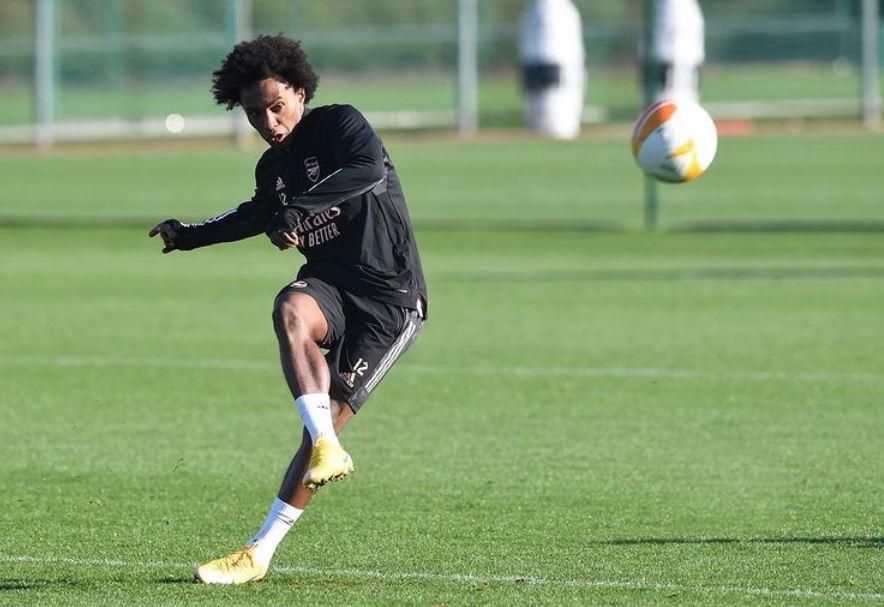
276, 108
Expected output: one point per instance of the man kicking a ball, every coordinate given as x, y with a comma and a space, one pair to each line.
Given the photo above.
327, 187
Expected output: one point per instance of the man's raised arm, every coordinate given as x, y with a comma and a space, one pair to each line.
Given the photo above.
248, 219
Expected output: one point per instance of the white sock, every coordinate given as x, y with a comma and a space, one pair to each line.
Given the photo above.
278, 522
315, 411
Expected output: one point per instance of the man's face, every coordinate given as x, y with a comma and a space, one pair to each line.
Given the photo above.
274, 109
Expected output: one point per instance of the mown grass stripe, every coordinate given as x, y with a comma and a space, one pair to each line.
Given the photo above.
235, 364
470, 578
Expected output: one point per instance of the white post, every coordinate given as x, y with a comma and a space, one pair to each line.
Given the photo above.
467, 67
871, 104
44, 73
553, 63
677, 48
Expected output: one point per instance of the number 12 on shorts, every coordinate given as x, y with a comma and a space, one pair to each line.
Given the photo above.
360, 367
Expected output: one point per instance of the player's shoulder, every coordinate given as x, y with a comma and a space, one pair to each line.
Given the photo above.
333, 109
336, 115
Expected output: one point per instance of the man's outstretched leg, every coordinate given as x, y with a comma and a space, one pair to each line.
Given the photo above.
300, 326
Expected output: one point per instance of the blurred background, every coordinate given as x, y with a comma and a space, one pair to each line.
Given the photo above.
121, 67
80, 71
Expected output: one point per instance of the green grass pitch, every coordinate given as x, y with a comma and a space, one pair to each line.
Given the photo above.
591, 417
497, 181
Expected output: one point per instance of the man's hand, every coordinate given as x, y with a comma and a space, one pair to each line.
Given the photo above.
168, 230
282, 229
283, 240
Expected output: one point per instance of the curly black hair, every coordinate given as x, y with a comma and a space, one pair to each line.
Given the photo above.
264, 57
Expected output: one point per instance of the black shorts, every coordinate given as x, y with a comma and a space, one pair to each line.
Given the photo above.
365, 337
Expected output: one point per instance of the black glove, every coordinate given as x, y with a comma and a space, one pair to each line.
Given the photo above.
172, 232
287, 219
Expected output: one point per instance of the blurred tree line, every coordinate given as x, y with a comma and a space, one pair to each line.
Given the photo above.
16, 16
124, 39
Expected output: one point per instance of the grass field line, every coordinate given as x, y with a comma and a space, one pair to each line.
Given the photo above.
234, 364
469, 578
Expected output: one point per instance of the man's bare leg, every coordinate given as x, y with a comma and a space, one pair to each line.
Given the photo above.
300, 326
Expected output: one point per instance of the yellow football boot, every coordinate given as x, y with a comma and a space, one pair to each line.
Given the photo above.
328, 462
236, 568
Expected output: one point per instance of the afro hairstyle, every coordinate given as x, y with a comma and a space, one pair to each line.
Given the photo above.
264, 57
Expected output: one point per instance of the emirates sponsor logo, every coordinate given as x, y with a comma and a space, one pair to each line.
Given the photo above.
318, 229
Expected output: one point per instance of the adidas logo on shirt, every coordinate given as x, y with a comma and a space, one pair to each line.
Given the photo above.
280, 184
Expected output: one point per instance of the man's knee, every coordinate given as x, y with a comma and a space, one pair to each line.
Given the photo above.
288, 317
297, 316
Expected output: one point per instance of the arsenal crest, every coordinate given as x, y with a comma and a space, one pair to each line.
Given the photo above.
312, 166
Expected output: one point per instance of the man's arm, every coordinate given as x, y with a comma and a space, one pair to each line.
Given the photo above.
248, 219
359, 154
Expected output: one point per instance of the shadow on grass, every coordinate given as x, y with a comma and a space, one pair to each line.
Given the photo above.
24, 584
7, 584
853, 542
175, 580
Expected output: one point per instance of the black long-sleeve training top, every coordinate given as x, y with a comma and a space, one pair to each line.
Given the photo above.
335, 185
